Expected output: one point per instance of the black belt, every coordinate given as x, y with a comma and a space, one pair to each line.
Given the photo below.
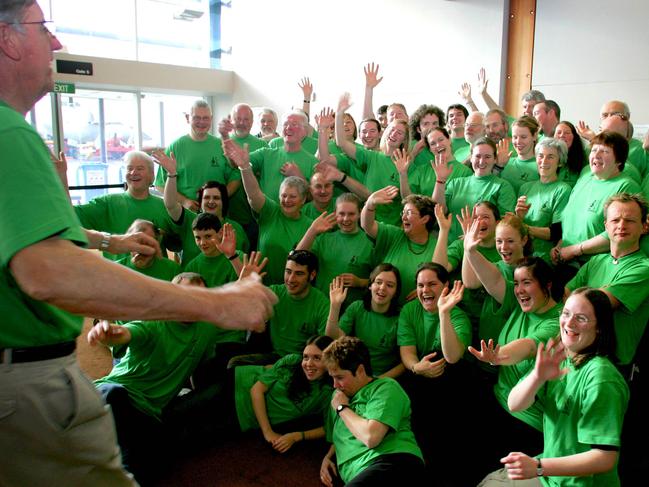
34, 354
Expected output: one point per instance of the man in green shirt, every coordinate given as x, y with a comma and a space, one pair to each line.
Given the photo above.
368, 423
45, 277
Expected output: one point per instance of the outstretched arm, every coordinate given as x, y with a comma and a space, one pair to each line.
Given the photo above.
307, 91
368, 217
172, 204
482, 87
488, 274
337, 295
324, 122
322, 224
334, 174
402, 160
371, 81
452, 347
241, 158
347, 146
465, 94
440, 255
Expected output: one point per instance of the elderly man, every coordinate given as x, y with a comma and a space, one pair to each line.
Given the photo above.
55, 430
267, 124
200, 158
114, 213
473, 130
529, 100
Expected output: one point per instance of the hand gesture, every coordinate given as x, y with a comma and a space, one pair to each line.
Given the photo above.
351, 280
284, 442
339, 398
228, 244
325, 119
291, 169
329, 171
271, 437
482, 81
443, 221
60, 163
519, 466
429, 368
441, 167
324, 223
371, 75
465, 93
224, 127
522, 207
401, 160
419, 145
503, 154
584, 131
138, 242
465, 219
337, 291
448, 299
238, 155
306, 87
383, 196
488, 353
549, 359
328, 472
344, 103
108, 334
191, 205
253, 264
168, 162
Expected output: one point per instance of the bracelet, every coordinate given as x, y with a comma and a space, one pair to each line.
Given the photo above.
307, 101
441, 182
369, 209
581, 248
247, 168
172, 175
499, 167
233, 256
303, 437
105, 241
343, 179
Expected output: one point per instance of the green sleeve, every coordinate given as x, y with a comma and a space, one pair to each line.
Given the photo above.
462, 326
406, 335
387, 404
347, 320
506, 199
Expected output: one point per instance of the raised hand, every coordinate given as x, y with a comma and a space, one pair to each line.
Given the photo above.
291, 169
401, 160
228, 244
549, 359
352, 280
443, 221
383, 196
465, 219
306, 87
324, 222
371, 75
488, 352
253, 264
325, 119
60, 163
522, 207
337, 291
448, 299
168, 162
329, 171
503, 153
224, 127
344, 103
584, 131
465, 92
482, 80
441, 167
238, 155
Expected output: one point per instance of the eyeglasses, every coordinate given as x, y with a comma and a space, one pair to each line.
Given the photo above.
201, 119
624, 117
47, 26
579, 318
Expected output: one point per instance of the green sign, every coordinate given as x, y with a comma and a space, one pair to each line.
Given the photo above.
64, 87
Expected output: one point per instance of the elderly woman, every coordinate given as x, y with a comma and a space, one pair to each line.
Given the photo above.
582, 217
407, 247
281, 226
541, 202
583, 398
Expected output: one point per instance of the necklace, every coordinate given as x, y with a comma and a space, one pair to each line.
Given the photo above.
416, 252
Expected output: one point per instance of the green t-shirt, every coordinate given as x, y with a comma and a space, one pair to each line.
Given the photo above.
279, 407
198, 161
547, 201
183, 228
461, 149
159, 359
278, 234
394, 247
519, 171
294, 321
627, 279
26, 219
346, 165
216, 270
493, 315
585, 407
339, 253
638, 157
267, 162
583, 216
114, 213
310, 211
382, 400
239, 209
423, 179
380, 172
378, 332
537, 327
419, 328
309, 144
160, 268
461, 192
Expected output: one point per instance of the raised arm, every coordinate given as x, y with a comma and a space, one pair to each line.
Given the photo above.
442, 173
337, 295
402, 160
307, 92
334, 174
452, 347
371, 81
440, 255
522, 207
347, 146
482, 87
172, 204
322, 224
469, 278
324, 122
241, 158
508, 354
465, 94
368, 217
487, 273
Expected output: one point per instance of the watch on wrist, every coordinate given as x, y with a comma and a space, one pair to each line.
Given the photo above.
340, 407
105, 241
539, 468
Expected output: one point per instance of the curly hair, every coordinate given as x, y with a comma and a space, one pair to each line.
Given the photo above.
421, 112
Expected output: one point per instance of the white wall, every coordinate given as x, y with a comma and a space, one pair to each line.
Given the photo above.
590, 51
426, 49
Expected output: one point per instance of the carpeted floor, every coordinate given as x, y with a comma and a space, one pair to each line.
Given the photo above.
246, 461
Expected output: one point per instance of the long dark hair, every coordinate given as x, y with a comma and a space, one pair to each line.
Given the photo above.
299, 386
575, 162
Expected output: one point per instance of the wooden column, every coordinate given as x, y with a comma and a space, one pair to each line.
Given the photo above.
520, 53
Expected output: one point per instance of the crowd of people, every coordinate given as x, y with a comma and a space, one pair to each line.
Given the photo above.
433, 295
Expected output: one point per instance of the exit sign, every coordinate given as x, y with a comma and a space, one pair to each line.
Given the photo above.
68, 88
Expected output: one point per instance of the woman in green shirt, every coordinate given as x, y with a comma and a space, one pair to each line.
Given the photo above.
521, 169
583, 398
570, 171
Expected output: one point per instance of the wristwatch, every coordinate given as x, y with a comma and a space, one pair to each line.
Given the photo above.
539, 468
340, 407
